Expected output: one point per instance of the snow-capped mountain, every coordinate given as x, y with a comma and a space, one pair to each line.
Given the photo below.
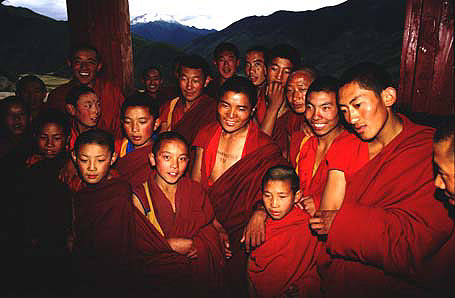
153, 17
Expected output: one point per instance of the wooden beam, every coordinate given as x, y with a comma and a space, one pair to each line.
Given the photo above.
106, 25
427, 60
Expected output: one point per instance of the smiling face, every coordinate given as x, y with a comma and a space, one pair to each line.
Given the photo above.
170, 161
85, 66
234, 111
322, 112
192, 82
445, 163
278, 198
226, 63
363, 109
297, 87
152, 81
255, 68
139, 125
34, 94
279, 70
51, 140
16, 119
93, 162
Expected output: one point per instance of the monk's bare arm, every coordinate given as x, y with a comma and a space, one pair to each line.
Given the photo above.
254, 232
334, 191
137, 204
197, 165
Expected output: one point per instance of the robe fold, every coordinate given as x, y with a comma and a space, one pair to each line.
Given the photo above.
110, 96
193, 220
135, 166
391, 238
285, 258
234, 194
285, 126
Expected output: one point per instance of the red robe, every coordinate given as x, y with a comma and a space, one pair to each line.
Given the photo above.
285, 258
116, 248
391, 237
192, 219
135, 166
235, 193
110, 96
285, 126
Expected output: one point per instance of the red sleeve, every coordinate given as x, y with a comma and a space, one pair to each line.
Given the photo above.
296, 139
205, 134
164, 111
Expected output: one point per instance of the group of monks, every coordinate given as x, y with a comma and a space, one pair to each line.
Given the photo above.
170, 200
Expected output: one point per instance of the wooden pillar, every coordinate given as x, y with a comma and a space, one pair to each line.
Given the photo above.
427, 59
106, 25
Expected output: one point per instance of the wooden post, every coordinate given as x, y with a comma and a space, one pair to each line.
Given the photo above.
106, 25
427, 59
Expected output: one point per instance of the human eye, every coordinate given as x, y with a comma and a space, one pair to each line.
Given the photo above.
83, 160
343, 110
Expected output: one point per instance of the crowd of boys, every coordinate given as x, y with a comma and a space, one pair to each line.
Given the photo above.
278, 182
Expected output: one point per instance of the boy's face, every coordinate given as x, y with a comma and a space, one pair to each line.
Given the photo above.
321, 112
363, 109
33, 94
279, 198
191, 82
139, 125
170, 161
445, 163
93, 162
51, 140
87, 110
85, 66
255, 67
226, 64
234, 111
16, 119
297, 87
279, 70
152, 81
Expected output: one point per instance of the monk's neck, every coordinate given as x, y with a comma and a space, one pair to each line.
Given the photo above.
91, 84
326, 140
169, 190
80, 128
188, 104
391, 128
240, 133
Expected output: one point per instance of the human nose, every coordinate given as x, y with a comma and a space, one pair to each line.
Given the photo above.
49, 143
439, 183
173, 163
135, 126
91, 166
188, 85
275, 202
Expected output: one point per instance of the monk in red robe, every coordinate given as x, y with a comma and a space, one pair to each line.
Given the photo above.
256, 72
390, 238
280, 266
180, 211
85, 63
232, 155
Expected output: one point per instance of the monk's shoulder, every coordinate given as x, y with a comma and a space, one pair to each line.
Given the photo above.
264, 139
346, 140
205, 135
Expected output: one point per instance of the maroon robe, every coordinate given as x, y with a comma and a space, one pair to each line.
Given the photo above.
391, 237
235, 193
135, 166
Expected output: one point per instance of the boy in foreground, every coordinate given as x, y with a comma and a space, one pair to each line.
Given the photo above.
279, 268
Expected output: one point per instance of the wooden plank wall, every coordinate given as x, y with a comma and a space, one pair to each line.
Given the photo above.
106, 25
427, 59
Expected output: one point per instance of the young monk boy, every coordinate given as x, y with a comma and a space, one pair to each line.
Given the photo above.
33, 91
139, 121
390, 237
278, 267
180, 211
232, 154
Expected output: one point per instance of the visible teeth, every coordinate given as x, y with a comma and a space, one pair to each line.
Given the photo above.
319, 125
84, 73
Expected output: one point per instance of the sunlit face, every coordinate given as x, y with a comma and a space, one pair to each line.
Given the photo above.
51, 140
93, 162
87, 111
85, 66
226, 64
445, 162
191, 82
234, 111
152, 81
139, 125
279, 70
278, 198
363, 109
321, 112
33, 94
170, 161
16, 119
297, 87
255, 68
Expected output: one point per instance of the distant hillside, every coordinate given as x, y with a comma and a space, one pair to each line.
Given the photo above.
172, 33
330, 38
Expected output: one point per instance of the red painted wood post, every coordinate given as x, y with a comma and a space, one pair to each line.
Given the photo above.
106, 25
427, 59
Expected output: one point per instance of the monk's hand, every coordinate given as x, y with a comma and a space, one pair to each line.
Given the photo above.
275, 95
322, 221
183, 246
307, 204
224, 238
33, 159
254, 233
307, 129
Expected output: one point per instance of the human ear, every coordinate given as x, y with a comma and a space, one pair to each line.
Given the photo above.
100, 65
68, 62
113, 158
157, 124
207, 81
73, 156
152, 159
70, 109
298, 196
389, 96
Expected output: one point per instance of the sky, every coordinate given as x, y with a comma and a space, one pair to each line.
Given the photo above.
204, 14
